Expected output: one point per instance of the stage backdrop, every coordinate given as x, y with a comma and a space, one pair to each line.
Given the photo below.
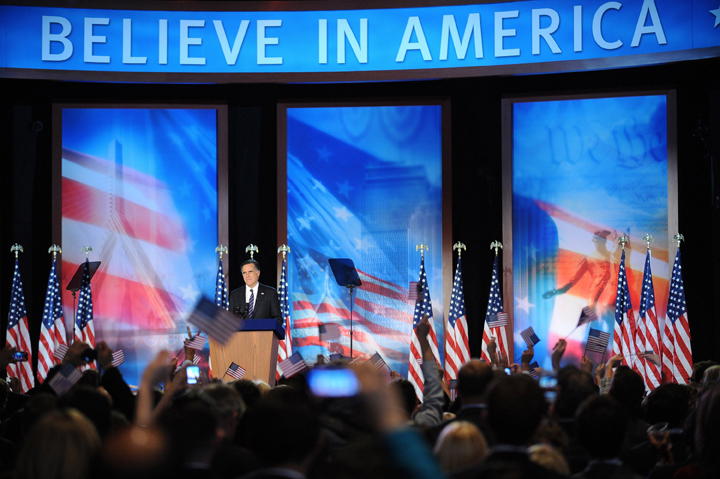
140, 187
365, 183
584, 172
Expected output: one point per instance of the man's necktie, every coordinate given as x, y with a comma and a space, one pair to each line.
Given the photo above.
251, 304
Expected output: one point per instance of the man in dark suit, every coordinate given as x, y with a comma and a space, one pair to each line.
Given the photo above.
254, 300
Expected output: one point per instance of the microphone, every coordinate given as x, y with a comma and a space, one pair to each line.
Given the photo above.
246, 312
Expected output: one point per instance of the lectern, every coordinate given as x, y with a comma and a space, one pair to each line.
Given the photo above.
254, 347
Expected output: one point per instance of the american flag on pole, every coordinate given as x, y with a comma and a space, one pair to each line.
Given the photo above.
84, 324
222, 299
52, 329
534, 373
422, 307
495, 318
284, 345
678, 327
293, 365
622, 334
597, 341
457, 349
18, 335
236, 371
649, 326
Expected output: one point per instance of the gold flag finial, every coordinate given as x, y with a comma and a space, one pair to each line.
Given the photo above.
17, 249
496, 245
86, 249
284, 249
252, 249
55, 249
648, 239
220, 250
460, 247
678, 237
422, 247
623, 240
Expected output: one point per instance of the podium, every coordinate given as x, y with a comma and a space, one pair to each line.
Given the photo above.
254, 347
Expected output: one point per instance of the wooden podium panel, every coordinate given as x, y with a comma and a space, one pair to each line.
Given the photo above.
255, 351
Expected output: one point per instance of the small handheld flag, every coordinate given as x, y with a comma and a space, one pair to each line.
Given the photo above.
530, 337
216, 322
293, 365
597, 341
118, 357
236, 371
65, 379
329, 332
197, 343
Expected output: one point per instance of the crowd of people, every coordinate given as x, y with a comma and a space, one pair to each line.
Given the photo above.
596, 422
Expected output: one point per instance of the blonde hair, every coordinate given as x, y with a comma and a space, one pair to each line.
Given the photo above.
549, 458
62, 445
459, 445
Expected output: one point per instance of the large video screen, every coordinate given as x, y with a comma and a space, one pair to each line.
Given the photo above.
364, 183
584, 172
139, 185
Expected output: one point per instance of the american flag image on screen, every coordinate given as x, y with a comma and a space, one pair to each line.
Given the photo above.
597, 341
236, 371
18, 336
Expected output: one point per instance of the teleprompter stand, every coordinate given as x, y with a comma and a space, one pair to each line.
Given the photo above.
346, 275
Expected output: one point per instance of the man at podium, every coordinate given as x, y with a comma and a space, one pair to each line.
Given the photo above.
254, 300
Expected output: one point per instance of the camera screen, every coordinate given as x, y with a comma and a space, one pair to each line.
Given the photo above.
333, 382
193, 374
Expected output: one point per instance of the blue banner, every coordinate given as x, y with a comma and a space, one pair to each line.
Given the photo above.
394, 39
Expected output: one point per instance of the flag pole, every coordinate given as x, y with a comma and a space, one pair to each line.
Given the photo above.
55, 249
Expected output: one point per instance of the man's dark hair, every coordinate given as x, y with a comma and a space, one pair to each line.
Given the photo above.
667, 403
601, 424
516, 406
251, 261
473, 378
628, 389
407, 394
574, 386
227, 400
191, 424
249, 391
699, 370
300, 432
92, 403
